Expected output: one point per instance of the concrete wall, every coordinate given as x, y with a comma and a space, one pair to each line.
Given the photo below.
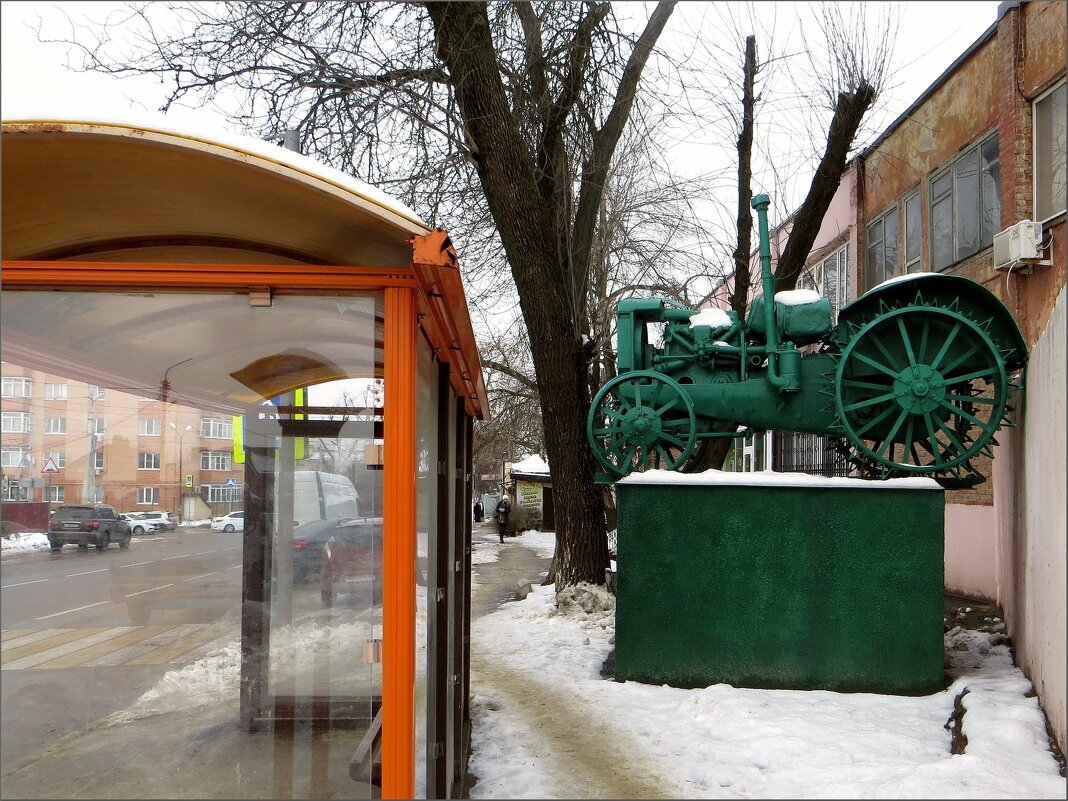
1031, 524
971, 535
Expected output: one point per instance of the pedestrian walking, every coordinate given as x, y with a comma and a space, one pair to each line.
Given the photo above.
504, 508
480, 511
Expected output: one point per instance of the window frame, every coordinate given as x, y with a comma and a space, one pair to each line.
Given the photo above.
141, 460
807, 279
144, 423
208, 458
152, 493
1061, 84
975, 147
209, 425
55, 391
49, 428
59, 457
903, 245
12, 380
12, 450
881, 218
23, 418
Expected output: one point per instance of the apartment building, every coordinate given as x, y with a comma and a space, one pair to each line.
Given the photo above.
66, 441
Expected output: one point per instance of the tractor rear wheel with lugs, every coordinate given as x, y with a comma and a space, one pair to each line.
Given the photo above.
920, 390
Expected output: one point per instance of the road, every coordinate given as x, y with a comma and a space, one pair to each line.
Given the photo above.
87, 632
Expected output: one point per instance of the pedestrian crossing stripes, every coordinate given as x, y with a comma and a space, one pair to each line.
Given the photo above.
50, 649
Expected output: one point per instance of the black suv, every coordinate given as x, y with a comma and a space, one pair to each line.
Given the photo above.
82, 524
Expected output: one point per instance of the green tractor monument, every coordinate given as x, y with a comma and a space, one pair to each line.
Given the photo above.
795, 581
914, 380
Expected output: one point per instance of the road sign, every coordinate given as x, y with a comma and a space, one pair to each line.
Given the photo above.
230, 483
189, 479
49, 466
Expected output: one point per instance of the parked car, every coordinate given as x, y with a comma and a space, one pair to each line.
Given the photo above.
81, 524
235, 521
352, 560
165, 520
137, 525
309, 541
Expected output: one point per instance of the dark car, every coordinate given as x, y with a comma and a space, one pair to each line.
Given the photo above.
81, 524
352, 560
309, 540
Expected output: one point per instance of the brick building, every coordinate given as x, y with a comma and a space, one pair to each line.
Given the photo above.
980, 151
134, 453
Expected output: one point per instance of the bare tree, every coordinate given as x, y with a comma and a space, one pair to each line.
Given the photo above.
847, 60
509, 113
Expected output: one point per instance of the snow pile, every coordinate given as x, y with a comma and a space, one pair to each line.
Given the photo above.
771, 478
484, 553
547, 725
531, 463
211, 681
543, 543
716, 318
797, 297
24, 541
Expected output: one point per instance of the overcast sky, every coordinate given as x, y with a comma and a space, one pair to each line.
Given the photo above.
931, 35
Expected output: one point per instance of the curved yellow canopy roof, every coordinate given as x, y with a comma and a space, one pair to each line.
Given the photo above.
113, 191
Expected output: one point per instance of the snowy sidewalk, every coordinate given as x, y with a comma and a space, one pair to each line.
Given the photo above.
546, 724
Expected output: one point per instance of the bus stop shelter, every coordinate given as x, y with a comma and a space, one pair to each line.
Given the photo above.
230, 278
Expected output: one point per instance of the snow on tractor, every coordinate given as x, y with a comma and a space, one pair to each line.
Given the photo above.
913, 380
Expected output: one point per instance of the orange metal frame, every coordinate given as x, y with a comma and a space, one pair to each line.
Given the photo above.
428, 294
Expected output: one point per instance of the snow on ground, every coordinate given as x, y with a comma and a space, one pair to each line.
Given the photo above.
728, 742
548, 725
24, 541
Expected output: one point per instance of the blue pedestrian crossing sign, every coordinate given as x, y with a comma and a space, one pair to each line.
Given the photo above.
230, 483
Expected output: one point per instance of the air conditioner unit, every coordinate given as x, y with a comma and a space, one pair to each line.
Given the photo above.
98, 470
1019, 247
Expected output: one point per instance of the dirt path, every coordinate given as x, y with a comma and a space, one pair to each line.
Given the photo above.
573, 742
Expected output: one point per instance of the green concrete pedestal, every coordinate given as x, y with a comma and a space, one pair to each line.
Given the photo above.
831, 584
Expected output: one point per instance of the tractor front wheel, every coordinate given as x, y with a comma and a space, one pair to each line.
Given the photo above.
640, 420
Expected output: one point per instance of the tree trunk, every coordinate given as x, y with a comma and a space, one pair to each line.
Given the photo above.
507, 173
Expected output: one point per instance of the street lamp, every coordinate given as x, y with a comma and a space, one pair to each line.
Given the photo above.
181, 472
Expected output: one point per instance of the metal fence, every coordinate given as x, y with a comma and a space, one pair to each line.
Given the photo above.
808, 453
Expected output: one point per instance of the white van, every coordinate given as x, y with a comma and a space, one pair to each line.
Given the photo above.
323, 496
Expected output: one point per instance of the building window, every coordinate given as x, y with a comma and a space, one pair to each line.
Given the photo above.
147, 495
15, 387
828, 277
56, 425
58, 457
55, 391
99, 425
217, 493
13, 492
216, 427
148, 427
1050, 144
913, 234
15, 422
881, 262
11, 457
148, 461
966, 204
98, 460
214, 460
57, 493
95, 392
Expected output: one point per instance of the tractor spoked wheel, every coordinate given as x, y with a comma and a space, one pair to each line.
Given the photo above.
920, 390
639, 420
